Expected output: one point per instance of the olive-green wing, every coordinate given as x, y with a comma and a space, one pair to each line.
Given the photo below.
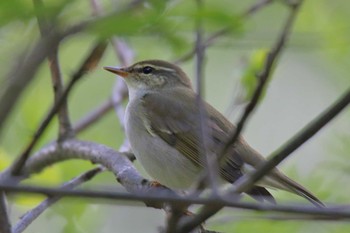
178, 125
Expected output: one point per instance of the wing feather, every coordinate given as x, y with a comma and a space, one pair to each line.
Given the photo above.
179, 127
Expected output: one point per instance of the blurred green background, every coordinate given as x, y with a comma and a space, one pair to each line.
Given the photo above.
310, 75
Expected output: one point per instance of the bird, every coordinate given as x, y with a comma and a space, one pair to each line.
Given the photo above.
164, 129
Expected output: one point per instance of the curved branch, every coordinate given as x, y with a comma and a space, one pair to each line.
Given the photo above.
114, 161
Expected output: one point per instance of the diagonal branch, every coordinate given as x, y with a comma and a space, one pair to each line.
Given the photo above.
116, 162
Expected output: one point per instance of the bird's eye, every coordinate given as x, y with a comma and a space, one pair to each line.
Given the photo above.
147, 70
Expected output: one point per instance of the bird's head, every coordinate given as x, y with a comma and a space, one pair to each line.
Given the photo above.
152, 74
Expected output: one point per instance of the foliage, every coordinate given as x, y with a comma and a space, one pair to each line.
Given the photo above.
163, 29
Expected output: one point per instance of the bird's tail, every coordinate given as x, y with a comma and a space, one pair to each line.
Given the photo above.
275, 179
281, 181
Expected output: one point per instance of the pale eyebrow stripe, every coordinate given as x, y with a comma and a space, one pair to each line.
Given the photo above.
155, 67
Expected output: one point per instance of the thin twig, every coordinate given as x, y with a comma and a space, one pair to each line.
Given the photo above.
31, 215
88, 65
329, 213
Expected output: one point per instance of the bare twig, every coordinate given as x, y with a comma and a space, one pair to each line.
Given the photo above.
31, 215
89, 64
65, 128
329, 213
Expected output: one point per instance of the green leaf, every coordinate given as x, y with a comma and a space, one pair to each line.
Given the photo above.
249, 78
11, 10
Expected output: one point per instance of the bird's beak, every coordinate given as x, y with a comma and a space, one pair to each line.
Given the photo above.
119, 71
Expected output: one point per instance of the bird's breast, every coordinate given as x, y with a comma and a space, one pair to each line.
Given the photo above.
161, 161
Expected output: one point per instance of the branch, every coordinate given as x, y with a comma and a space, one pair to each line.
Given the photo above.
89, 64
337, 212
114, 161
31, 215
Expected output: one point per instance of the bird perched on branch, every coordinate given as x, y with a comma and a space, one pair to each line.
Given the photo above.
164, 128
